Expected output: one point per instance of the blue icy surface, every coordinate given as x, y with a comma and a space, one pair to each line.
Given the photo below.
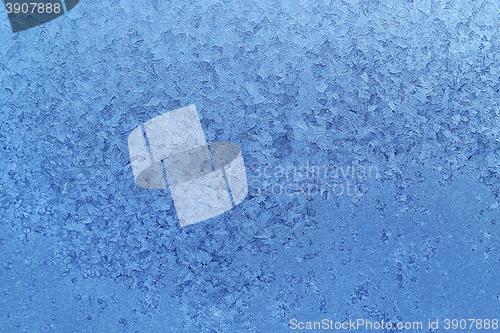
410, 87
